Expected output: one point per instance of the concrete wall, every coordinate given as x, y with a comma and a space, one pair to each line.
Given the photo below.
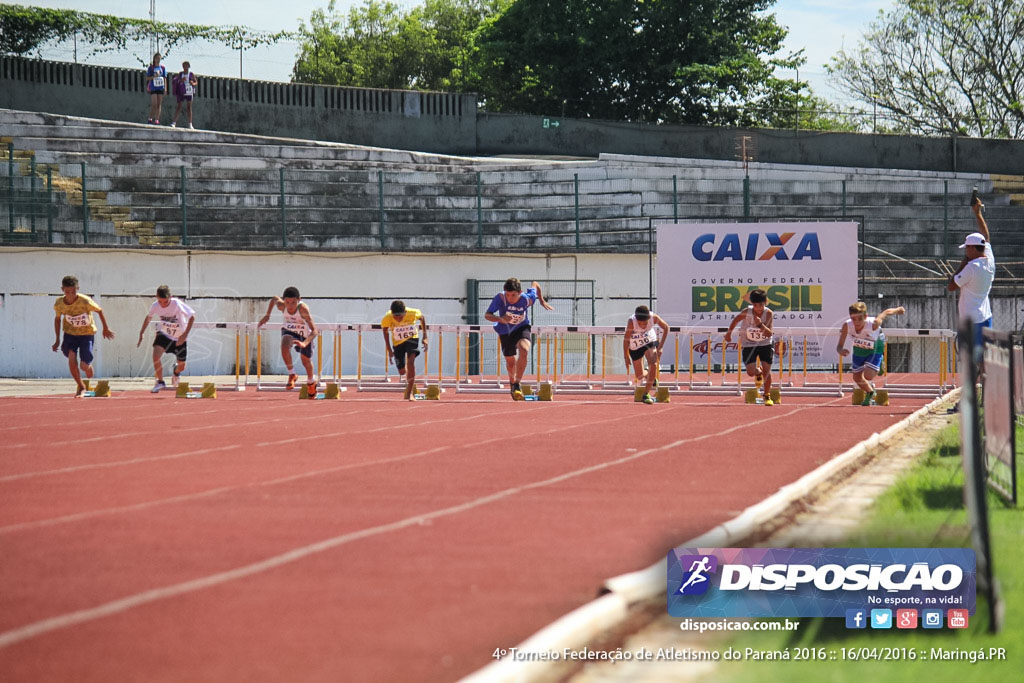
449, 123
339, 287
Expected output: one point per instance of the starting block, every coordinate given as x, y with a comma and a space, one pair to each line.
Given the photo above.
331, 391
102, 389
433, 393
881, 398
775, 395
546, 392
209, 390
638, 394
752, 396
663, 395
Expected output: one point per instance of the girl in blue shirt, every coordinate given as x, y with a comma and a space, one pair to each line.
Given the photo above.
156, 86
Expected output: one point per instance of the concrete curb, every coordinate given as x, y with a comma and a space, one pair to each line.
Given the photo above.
583, 624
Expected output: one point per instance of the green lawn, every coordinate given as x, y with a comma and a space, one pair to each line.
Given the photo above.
924, 509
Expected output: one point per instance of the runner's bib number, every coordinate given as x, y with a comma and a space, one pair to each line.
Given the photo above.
78, 320
756, 334
188, 90
158, 82
516, 318
639, 339
292, 326
169, 327
864, 343
404, 332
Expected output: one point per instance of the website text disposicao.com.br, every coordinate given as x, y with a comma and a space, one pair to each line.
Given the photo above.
703, 625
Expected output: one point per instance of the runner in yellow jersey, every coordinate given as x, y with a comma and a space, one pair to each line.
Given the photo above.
79, 330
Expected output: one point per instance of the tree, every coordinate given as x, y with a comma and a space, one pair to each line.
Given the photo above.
378, 45
677, 61
26, 29
948, 67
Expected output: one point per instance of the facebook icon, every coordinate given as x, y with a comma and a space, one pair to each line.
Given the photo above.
856, 618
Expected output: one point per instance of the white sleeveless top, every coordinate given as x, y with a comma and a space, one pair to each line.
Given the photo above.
750, 333
294, 322
643, 333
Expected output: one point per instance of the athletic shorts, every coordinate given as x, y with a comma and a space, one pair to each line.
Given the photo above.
410, 348
157, 92
307, 351
752, 353
637, 354
184, 98
510, 341
180, 351
80, 344
874, 361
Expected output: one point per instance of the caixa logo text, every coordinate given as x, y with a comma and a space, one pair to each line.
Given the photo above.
830, 577
756, 247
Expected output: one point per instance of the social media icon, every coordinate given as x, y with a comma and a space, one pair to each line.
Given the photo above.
856, 618
957, 618
881, 618
906, 618
931, 618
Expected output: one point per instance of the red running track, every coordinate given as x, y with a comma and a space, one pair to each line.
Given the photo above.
257, 537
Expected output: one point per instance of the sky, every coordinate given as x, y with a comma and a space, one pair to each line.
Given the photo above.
819, 27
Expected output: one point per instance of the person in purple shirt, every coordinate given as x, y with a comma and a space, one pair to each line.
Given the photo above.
509, 311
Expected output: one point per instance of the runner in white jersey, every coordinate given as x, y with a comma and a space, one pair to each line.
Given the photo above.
298, 331
755, 324
868, 343
640, 342
174, 322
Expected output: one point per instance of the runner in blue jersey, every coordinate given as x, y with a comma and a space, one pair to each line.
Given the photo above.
509, 311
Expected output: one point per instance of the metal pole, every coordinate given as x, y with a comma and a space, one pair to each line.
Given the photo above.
184, 208
32, 181
10, 186
380, 205
576, 202
844, 198
49, 204
945, 219
85, 208
479, 215
284, 224
650, 262
746, 196
675, 200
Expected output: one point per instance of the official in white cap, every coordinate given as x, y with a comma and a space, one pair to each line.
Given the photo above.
974, 276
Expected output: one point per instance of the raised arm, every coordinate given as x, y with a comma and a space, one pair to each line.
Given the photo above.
979, 218
275, 301
540, 296
880, 318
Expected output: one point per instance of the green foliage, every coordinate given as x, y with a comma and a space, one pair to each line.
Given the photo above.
379, 45
25, 29
942, 67
676, 61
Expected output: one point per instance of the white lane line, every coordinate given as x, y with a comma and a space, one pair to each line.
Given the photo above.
137, 600
117, 463
77, 517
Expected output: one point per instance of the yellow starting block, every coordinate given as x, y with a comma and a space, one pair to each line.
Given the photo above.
775, 395
433, 393
881, 397
638, 394
209, 390
546, 392
754, 396
102, 389
331, 391
662, 396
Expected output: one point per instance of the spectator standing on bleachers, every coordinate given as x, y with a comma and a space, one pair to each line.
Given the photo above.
156, 86
185, 84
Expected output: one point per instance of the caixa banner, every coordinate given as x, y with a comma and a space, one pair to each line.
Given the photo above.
817, 582
808, 271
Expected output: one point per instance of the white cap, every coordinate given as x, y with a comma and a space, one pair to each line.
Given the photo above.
975, 239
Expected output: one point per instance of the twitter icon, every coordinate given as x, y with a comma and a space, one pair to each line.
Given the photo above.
881, 618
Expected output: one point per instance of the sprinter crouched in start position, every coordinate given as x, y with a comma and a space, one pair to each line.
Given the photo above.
298, 331
641, 342
509, 311
755, 324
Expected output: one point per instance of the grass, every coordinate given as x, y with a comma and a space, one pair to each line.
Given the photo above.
924, 509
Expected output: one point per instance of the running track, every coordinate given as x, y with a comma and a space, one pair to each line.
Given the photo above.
257, 537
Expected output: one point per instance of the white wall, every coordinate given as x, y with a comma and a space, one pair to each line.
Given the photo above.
225, 286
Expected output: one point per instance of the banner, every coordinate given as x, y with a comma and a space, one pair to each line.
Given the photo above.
808, 270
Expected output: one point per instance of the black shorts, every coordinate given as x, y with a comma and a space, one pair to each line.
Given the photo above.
752, 353
510, 341
307, 351
410, 348
180, 351
637, 354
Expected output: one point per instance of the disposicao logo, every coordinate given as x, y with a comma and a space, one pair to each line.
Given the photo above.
804, 582
756, 247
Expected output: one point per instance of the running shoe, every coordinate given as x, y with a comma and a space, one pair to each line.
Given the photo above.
158, 387
648, 400
291, 382
867, 398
